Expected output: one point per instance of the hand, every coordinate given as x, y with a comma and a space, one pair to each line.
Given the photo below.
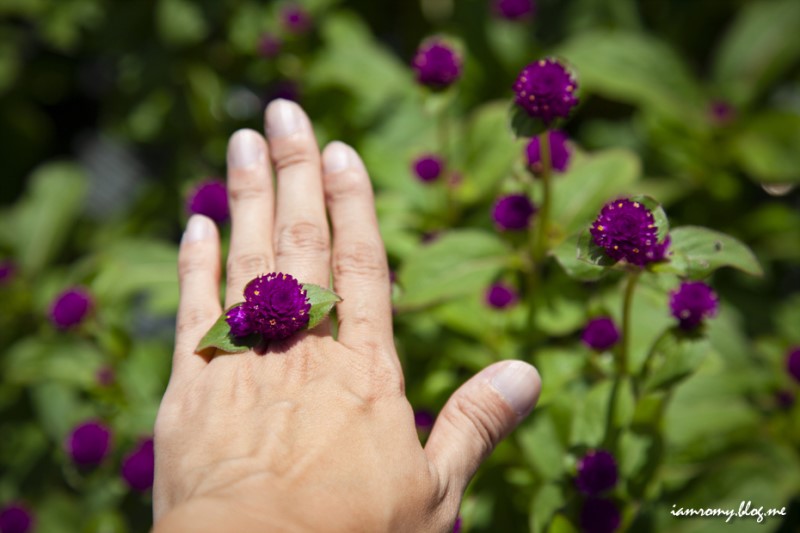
316, 434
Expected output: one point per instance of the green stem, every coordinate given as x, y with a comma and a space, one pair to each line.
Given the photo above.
544, 212
443, 131
627, 304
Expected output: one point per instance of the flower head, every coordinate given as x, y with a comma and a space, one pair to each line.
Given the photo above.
105, 376
437, 65
559, 152
597, 472
600, 333
423, 419
546, 90
626, 229
428, 167
513, 212
138, 466
599, 515
693, 302
15, 518
69, 308
514, 9
295, 19
269, 45
501, 296
210, 199
89, 443
457, 525
793, 363
7, 271
275, 306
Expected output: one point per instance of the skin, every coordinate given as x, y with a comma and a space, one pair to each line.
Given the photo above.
316, 434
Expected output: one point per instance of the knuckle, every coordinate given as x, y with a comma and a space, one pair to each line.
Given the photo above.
482, 417
296, 152
244, 189
193, 318
192, 261
347, 185
363, 259
247, 264
303, 236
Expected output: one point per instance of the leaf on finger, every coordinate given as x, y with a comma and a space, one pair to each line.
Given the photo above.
220, 337
322, 301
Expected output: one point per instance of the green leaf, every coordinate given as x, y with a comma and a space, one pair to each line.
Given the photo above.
219, 336
541, 446
676, 359
567, 255
524, 125
545, 503
460, 262
590, 253
590, 415
705, 250
768, 148
180, 22
660, 217
322, 301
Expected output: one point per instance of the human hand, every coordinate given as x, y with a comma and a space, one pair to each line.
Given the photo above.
316, 434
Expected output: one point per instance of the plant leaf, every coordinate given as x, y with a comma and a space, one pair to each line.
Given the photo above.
322, 301
706, 250
219, 336
524, 125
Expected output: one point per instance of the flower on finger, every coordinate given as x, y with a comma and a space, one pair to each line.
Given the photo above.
626, 230
693, 302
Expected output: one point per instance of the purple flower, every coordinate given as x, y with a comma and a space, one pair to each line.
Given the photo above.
89, 443
428, 167
436, 64
692, 302
501, 296
721, 112
139, 465
457, 525
238, 319
597, 472
513, 9
627, 230
283, 89
559, 152
513, 212
600, 333
7, 271
423, 419
210, 198
105, 376
15, 518
793, 363
69, 308
546, 90
599, 516
275, 306
269, 45
295, 19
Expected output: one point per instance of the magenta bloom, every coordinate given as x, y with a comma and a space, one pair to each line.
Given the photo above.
457, 525
513, 212
693, 302
269, 45
295, 19
275, 306
70, 307
15, 518
513, 9
436, 64
600, 333
546, 90
138, 466
89, 443
559, 152
7, 271
627, 230
793, 363
210, 198
424, 419
501, 296
599, 515
428, 167
597, 472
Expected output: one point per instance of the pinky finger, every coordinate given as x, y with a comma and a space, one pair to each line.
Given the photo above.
199, 308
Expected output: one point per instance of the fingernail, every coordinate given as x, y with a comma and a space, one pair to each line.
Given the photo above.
337, 157
198, 229
517, 383
283, 118
245, 149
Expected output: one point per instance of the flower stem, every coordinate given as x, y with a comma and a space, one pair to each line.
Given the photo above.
543, 217
627, 304
443, 131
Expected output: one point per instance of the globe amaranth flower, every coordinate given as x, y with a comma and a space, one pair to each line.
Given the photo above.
559, 152
600, 333
599, 515
424, 419
500, 296
457, 525
7, 271
428, 167
513, 9
276, 306
269, 45
69, 308
210, 198
626, 230
89, 443
513, 212
138, 466
295, 19
436, 64
693, 302
597, 472
15, 518
793, 363
546, 90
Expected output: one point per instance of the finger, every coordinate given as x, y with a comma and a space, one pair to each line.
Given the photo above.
360, 269
198, 277
302, 243
478, 416
251, 198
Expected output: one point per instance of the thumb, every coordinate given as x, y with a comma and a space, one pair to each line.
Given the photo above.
478, 416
